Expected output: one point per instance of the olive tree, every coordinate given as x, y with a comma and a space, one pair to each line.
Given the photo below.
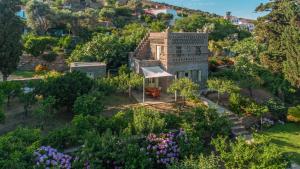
222, 86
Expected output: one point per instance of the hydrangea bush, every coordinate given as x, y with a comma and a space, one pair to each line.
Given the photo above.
164, 148
48, 157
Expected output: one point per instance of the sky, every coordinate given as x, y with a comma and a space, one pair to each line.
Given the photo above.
239, 8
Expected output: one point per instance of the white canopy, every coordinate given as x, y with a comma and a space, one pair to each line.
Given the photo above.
156, 71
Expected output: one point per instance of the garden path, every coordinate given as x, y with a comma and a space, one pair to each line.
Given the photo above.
238, 129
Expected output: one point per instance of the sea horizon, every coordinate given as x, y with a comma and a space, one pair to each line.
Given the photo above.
238, 8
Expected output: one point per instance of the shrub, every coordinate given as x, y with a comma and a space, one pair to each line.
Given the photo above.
106, 85
277, 109
146, 121
62, 138
17, 147
65, 88
45, 110
259, 154
109, 151
236, 103
10, 89
2, 114
210, 162
89, 104
163, 149
49, 57
294, 113
39, 69
36, 45
48, 157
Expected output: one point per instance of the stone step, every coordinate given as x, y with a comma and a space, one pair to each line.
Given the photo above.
237, 122
233, 118
240, 133
237, 127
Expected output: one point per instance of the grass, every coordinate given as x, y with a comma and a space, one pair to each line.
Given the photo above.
24, 74
287, 137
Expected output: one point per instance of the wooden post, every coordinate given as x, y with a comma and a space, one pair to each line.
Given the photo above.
143, 90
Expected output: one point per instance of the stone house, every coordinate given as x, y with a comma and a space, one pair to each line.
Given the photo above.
92, 69
163, 56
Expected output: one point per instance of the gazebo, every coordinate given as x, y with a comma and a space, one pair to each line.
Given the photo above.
154, 72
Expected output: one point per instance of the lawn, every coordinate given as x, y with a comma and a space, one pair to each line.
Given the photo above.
24, 74
287, 137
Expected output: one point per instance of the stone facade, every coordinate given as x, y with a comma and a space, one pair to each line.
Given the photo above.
181, 54
28, 63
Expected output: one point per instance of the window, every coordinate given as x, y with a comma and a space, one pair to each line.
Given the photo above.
198, 50
178, 51
199, 75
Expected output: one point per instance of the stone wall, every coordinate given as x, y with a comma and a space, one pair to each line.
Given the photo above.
28, 63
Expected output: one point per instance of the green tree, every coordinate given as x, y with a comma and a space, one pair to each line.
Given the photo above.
185, 87
190, 24
28, 99
270, 28
127, 81
65, 88
39, 16
89, 104
247, 47
257, 110
291, 69
158, 26
45, 110
107, 13
2, 114
37, 45
10, 89
247, 74
222, 86
11, 29
17, 148
259, 154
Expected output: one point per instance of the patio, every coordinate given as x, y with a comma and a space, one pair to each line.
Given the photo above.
148, 100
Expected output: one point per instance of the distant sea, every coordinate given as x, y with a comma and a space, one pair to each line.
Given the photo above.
239, 8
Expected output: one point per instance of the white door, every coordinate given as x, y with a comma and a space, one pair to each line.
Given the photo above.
158, 52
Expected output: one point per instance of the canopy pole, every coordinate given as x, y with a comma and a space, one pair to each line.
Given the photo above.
175, 90
143, 90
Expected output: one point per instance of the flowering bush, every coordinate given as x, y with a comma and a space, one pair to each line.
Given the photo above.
48, 157
164, 148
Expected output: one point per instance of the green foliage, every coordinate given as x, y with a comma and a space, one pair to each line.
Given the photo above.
17, 147
28, 99
210, 162
89, 104
2, 114
185, 88
102, 48
256, 109
109, 151
37, 45
248, 48
190, 24
291, 69
295, 113
39, 16
65, 88
259, 154
158, 26
11, 29
106, 85
222, 86
66, 42
236, 103
277, 108
49, 57
45, 110
10, 89
146, 121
